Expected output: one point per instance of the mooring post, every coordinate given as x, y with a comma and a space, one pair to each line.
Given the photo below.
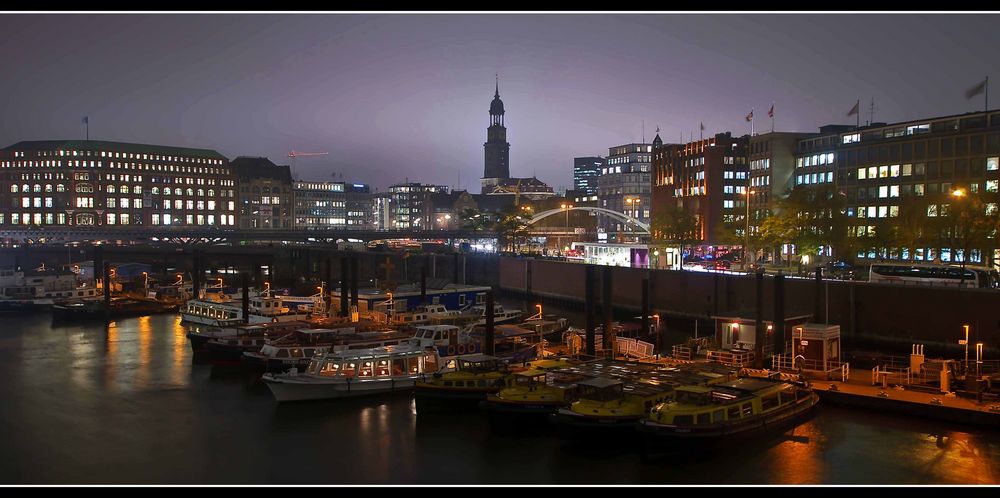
779, 314
344, 286
590, 307
759, 333
608, 341
489, 348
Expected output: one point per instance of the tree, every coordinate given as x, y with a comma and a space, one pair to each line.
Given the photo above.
475, 220
675, 226
966, 223
511, 227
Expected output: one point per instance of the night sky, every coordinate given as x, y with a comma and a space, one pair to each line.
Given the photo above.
407, 95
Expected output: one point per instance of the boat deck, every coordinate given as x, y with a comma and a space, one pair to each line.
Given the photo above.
859, 392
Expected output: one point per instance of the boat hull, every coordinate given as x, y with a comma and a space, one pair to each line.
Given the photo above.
573, 428
661, 438
290, 390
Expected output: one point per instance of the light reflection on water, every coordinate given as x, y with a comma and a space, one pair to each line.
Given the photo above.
126, 404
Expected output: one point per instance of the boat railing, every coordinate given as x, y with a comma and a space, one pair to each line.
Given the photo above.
831, 368
730, 358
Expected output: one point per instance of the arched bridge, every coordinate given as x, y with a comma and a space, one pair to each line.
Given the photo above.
642, 227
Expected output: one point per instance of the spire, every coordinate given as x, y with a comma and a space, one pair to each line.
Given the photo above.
497, 95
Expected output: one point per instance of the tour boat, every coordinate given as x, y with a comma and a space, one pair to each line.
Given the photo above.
499, 314
221, 310
229, 348
707, 415
611, 405
468, 383
355, 372
531, 396
40, 289
120, 307
423, 315
296, 350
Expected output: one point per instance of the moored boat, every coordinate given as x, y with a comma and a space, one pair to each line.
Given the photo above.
472, 378
355, 372
703, 417
531, 396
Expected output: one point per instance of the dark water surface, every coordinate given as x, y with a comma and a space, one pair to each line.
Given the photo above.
126, 404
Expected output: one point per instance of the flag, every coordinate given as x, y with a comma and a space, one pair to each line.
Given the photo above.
702, 126
750, 116
86, 119
854, 110
770, 113
657, 129
976, 90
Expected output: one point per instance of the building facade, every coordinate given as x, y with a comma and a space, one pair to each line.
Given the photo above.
586, 171
332, 205
625, 185
409, 206
114, 184
709, 179
265, 193
908, 174
772, 164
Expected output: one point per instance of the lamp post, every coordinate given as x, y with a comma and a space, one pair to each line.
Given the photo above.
966, 342
958, 194
145, 281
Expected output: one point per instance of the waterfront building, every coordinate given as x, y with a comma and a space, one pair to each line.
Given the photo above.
114, 184
586, 171
708, 179
265, 193
625, 186
332, 205
409, 206
907, 174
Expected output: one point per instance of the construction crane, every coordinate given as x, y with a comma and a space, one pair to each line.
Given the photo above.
516, 190
293, 154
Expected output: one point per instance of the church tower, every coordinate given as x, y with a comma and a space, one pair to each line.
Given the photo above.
496, 147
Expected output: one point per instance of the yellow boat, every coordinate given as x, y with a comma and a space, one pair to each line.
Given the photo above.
707, 415
473, 378
532, 395
611, 406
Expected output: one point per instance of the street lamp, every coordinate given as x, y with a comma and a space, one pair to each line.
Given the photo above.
966, 343
958, 194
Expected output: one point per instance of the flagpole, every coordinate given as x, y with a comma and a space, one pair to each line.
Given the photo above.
751, 121
772, 116
859, 113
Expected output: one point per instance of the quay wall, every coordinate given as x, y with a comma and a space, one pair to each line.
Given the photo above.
880, 313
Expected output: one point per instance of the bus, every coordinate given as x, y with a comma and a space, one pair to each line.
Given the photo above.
979, 277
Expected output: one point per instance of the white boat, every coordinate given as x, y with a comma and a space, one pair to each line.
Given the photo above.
41, 288
355, 372
423, 314
221, 310
499, 315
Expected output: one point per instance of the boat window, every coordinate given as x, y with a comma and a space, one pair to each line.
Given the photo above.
747, 409
717, 415
330, 369
414, 364
261, 342
282, 353
348, 369
383, 368
313, 366
704, 418
481, 383
787, 396
733, 412
451, 364
683, 420
398, 366
430, 363
309, 353
769, 402
296, 353
366, 369
447, 383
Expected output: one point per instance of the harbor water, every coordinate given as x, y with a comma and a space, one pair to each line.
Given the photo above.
127, 403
